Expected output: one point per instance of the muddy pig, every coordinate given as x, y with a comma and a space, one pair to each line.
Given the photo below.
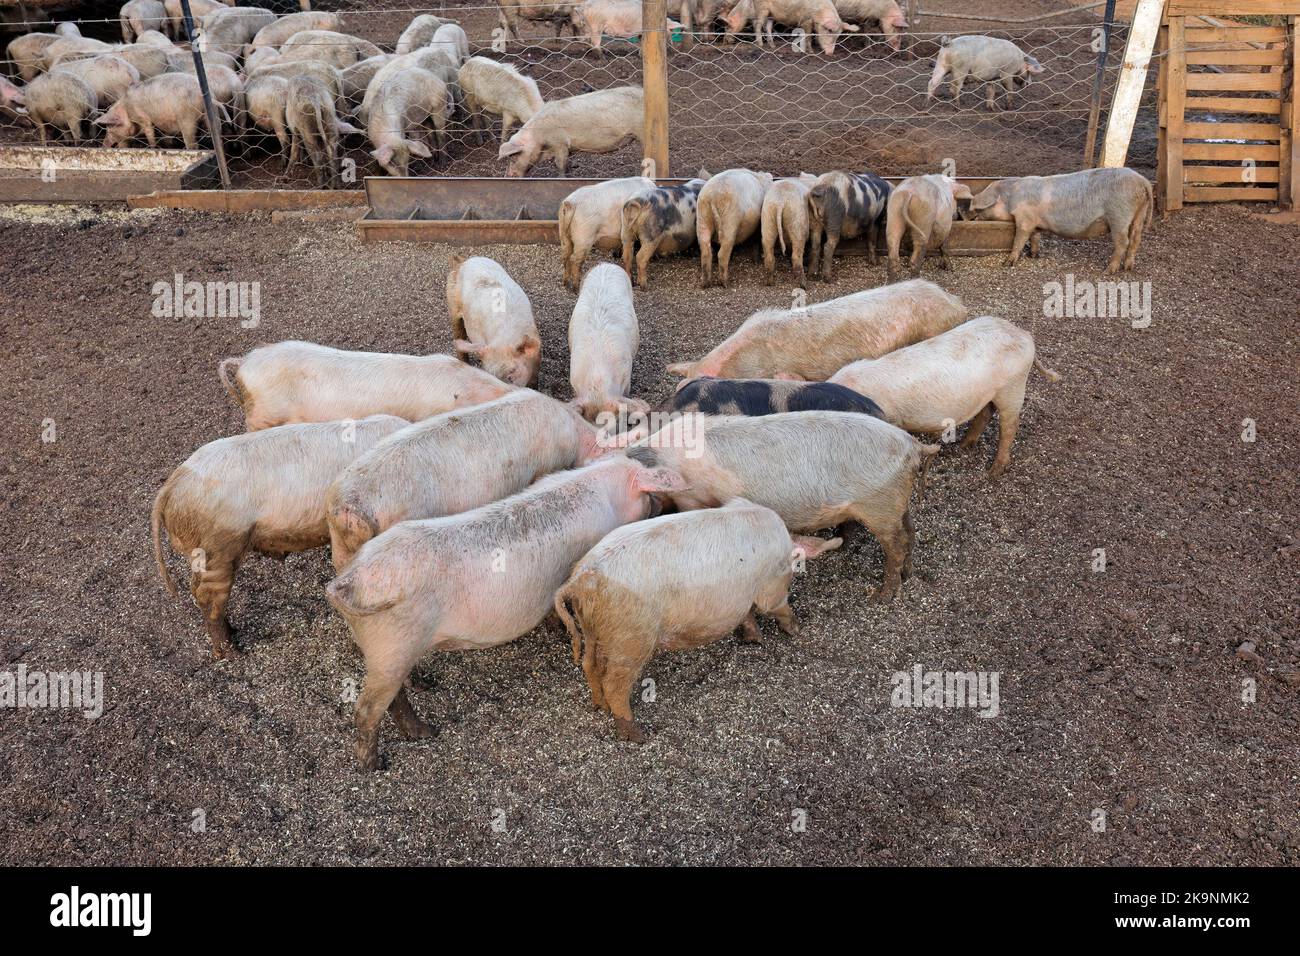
675, 583
816, 341
292, 382
108, 75
963, 375
1082, 205
987, 60
260, 493
603, 341
662, 220
924, 208
60, 101
845, 205
729, 209
476, 579
399, 100
599, 122
767, 396
815, 469
785, 217
591, 217
170, 104
454, 462
500, 90
887, 12
315, 127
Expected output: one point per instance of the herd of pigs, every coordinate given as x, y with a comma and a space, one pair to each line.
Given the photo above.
298, 78
462, 506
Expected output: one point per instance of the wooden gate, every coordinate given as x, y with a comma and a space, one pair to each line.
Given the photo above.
1228, 93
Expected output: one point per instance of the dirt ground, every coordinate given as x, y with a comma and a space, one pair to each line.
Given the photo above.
780, 111
1120, 691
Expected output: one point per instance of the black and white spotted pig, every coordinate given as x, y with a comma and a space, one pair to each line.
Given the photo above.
768, 396
662, 221
845, 205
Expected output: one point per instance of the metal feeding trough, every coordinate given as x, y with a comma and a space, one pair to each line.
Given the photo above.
96, 174
469, 211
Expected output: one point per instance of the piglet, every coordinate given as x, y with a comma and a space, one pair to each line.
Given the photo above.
661, 219
477, 579
492, 319
262, 492
675, 583
603, 339
960, 376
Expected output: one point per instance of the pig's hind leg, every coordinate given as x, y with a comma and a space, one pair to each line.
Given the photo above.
210, 585
407, 720
977, 425
387, 666
621, 672
1008, 401
895, 540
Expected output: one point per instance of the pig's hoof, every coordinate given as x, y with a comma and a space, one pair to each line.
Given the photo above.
369, 763
997, 471
882, 595
628, 730
791, 629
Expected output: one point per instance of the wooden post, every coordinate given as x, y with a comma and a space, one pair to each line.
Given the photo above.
1128, 91
654, 82
1288, 180
1162, 134
214, 121
1175, 90
1094, 111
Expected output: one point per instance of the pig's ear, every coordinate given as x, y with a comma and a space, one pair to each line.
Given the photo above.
469, 348
814, 547
659, 481
960, 190
529, 346
509, 148
419, 149
682, 369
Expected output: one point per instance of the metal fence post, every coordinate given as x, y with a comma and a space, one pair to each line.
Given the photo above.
1094, 112
214, 120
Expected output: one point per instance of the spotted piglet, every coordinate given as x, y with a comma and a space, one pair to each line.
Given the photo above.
768, 396
662, 221
845, 205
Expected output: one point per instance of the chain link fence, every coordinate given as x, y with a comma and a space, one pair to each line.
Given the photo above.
784, 107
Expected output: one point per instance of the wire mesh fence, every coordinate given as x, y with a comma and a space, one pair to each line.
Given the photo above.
741, 93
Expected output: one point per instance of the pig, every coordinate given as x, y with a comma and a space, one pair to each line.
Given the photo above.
673, 583
611, 18
108, 75
815, 17
512, 11
170, 103
662, 220
27, 54
451, 40
401, 97
429, 59
356, 79
226, 86
419, 32
603, 340
499, 90
785, 216
73, 48
476, 579
844, 205
1082, 205
175, 27
12, 98
137, 16
740, 12
290, 382
265, 97
599, 122
816, 341
767, 396
815, 469
149, 61
988, 60
923, 207
322, 73
339, 50
262, 493
962, 375
729, 209
60, 101
455, 462
492, 319
278, 33
228, 30
591, 217
887, 12
314, 125
182, 61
